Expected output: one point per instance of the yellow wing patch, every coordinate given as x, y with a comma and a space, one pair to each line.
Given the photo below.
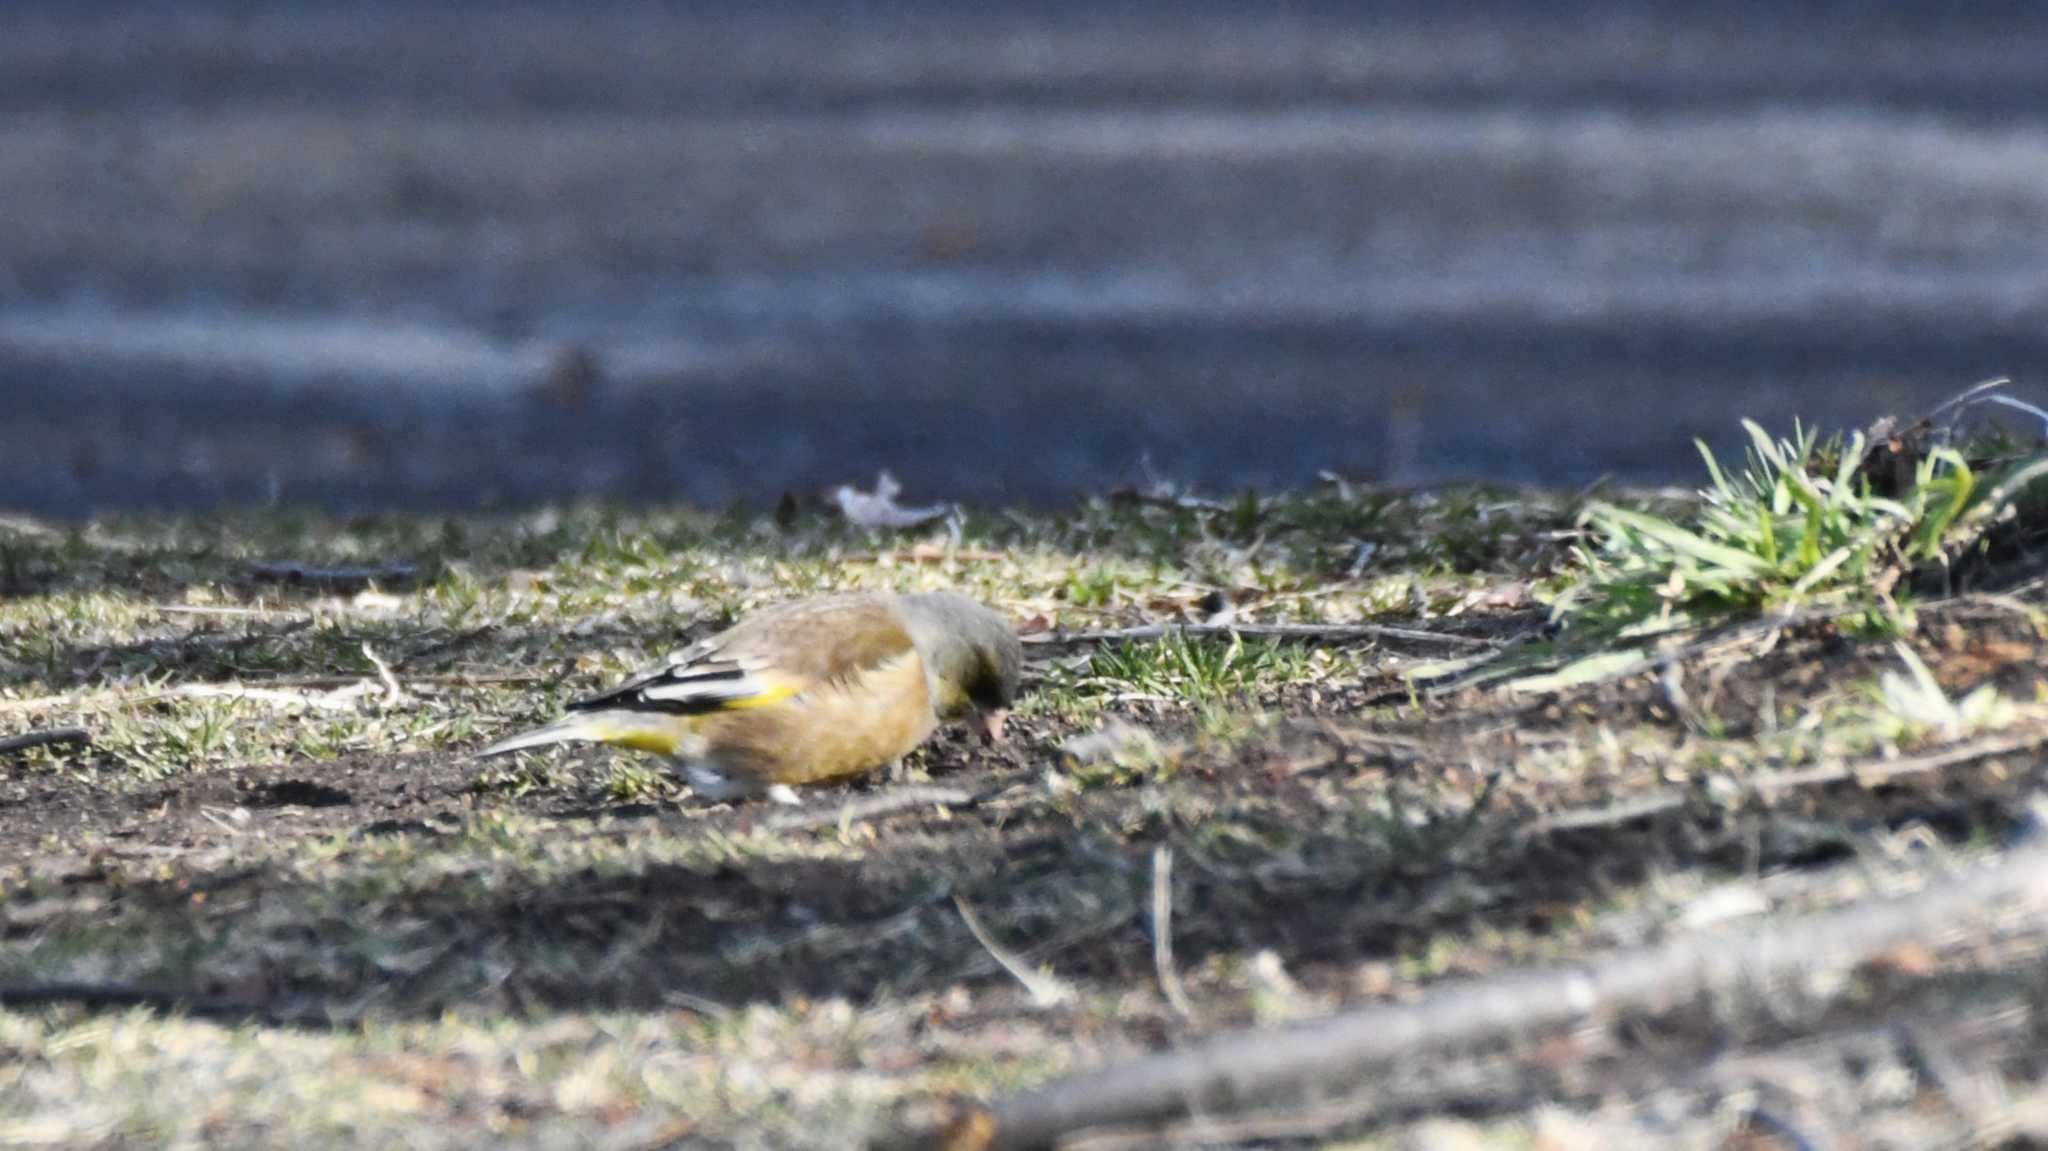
773, 691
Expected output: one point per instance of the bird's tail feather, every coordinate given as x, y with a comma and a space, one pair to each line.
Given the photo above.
645, 732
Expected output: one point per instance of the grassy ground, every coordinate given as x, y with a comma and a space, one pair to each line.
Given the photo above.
270, 903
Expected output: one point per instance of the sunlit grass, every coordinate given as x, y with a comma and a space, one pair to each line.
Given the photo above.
1800, 526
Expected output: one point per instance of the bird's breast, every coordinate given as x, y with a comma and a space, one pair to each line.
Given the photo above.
830, 731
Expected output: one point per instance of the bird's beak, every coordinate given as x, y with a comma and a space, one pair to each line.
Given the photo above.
990, 723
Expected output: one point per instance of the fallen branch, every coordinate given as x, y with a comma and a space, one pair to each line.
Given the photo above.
1234, 1071
1334, 632
48, 737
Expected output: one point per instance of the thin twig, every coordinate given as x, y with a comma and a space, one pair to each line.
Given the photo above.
1868, 773
340, 699
1871, 773
1303, 631
1729, 635
253, 689
47, 737
1162, 933
1046, 990
393, 690
1233, 1071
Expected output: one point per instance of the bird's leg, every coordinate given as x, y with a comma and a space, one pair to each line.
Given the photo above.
989, 722
893, 770
715, 786
712, 785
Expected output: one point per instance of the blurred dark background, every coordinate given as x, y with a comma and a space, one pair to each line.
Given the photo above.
463, 254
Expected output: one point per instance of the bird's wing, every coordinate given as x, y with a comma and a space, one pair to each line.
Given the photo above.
768, 659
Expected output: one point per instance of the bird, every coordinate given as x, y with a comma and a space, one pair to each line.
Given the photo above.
811, 691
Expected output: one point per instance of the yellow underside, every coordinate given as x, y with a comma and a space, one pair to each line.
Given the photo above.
645, 739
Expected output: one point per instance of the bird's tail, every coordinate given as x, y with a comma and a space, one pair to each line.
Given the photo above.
643, 731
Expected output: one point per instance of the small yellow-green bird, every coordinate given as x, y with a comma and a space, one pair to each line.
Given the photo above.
811, 691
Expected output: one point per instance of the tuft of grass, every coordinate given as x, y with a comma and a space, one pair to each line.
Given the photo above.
1200, 670
1798, 527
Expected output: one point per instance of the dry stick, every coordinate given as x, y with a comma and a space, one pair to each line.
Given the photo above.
1869, 773
1309, 631
45, 738
1162, 933
1046, 990
98, 696
1232, 1071
1727, 635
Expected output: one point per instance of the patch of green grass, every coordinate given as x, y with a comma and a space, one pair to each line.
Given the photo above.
516, 776
1798, 527
1199, 669
1093, 587
640, 781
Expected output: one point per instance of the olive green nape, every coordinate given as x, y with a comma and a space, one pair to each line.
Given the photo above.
972, 649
